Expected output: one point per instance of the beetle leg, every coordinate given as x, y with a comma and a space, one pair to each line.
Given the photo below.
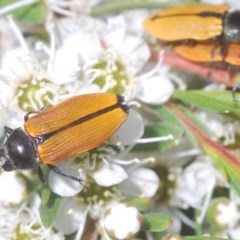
1, 153
8, 131
115, 148
58, 171
40, 174
234, 92
223, 50
27, 116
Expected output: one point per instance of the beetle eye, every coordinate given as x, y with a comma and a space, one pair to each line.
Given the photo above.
2, 157
5, 164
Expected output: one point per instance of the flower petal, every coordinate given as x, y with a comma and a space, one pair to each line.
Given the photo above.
109, 175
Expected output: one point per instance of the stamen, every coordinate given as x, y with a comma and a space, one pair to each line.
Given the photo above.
81, 226
141, 163
50, 28
154, 70
155, 139
127, 162
62, 11
207, 200
185, 219
188, 153
18, 34
134, 104
178, 81
61, 3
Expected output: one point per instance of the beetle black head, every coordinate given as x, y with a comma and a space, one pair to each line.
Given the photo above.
232, 26
19, 151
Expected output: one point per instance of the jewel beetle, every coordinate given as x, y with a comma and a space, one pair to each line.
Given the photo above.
206, 53
196, 22
76, 125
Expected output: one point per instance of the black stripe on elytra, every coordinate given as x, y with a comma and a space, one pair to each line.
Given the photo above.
119, 104
202, 14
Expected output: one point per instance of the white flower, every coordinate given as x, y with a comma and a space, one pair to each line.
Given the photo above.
13, 189
131, 49
71, 8
8, 38
227, 214
108, 58
110, 174
7, 119
235, 5
155, 90
131, 130
219, 126
232, 233
65, 186
23, 72
71, 216
24, 220
197, 182
70, 71
122, 221
142, 182
135, 19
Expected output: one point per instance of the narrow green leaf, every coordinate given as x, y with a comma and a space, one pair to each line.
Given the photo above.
198, 122
155, 222
34, 13
49, 207
160, 130
167, 115
217, 101
234, 184
227, 162
202, 238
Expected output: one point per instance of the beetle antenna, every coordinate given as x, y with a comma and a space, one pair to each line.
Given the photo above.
58, 171
8, 131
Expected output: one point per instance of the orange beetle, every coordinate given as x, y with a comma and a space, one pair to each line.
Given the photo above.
197, 22
74, 126
206, 53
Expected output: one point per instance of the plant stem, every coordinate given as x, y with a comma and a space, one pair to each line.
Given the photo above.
127, 5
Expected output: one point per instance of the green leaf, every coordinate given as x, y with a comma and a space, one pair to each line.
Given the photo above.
167, 115
202, 238
158, 130
219, 101
234, 184
46, 193
49, 207
155, 222
34, 13
140, 203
